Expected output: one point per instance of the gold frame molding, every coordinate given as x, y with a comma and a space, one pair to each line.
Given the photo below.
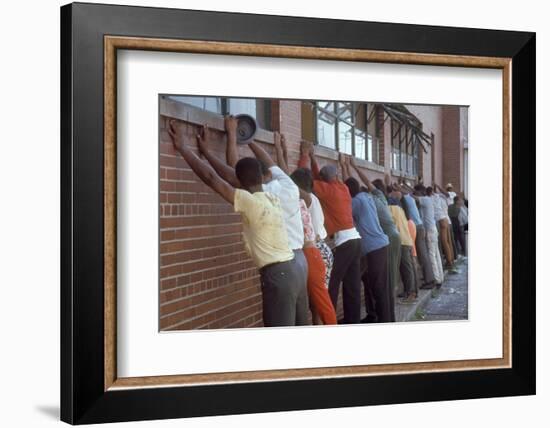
113, 43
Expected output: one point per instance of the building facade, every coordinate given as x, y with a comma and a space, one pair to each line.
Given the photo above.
206, 278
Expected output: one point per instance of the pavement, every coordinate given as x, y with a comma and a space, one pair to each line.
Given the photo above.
450, 302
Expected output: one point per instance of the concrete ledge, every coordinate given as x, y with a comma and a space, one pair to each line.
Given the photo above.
405, 313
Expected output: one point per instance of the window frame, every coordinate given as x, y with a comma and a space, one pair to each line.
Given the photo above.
355, 106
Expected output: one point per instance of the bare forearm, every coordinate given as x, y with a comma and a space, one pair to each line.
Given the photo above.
261, 155
285, 158
345, 171
305, 161
208, 175
204, 171
363, 177
225, 171
231, 151
281, 161
314, 167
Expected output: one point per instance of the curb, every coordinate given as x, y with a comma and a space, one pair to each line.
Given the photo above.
405, 313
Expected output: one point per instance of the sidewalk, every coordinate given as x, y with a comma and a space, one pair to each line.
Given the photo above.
450, 302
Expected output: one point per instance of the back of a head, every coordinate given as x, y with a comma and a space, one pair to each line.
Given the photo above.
429, 191
249, 172
328, 173
303, 179
419, 188
353, 186
379, 184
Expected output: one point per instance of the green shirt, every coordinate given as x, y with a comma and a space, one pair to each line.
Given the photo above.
384, 214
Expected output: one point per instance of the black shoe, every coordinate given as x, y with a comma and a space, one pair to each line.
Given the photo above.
438, 286
402, 295
369, 319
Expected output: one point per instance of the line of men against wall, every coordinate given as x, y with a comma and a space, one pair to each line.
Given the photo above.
310, 233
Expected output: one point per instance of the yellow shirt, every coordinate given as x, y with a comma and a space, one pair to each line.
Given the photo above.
264, 231
401, 222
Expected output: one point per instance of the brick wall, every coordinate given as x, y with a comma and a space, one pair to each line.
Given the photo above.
452, 159
206, 279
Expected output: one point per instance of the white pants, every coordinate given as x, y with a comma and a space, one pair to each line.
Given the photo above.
435, 256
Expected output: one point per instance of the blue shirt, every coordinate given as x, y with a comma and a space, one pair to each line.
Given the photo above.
412, 209
367, 224
427, 210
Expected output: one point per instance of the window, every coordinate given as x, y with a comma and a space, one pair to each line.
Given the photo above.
259, 109
346, 127
404, 149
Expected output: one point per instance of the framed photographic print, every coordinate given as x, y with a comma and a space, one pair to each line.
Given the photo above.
267, 213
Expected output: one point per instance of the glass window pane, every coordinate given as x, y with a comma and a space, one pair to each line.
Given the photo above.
242, 106
345, 112
360, 144
326, 127
213, 104
370, 148
344, 138
326, 105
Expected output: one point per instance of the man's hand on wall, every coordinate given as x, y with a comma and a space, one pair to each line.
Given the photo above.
203, 138
176, 132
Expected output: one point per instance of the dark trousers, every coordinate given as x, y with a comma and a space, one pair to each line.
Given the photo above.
407, 270
458, 231
423, 256
284, 294
394, 260
376, 283
347, 270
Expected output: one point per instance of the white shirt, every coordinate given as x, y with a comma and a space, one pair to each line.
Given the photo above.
289, 195
444, 207
345, 235
438, 212
317, 217
451, 198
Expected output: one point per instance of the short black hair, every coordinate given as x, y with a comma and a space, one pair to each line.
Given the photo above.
379, 184
303, 179
353, 186
249, 172
429, 190
420, 188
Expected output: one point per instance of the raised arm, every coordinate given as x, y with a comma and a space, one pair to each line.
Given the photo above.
278, 139
401, 188
438, 187
231, 152
342, 159
224, 171
261, 155
204, 171
362, 176
285, 150
305, 159
314, 164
